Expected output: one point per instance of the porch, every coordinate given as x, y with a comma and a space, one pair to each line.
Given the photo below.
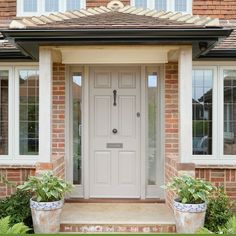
117, 217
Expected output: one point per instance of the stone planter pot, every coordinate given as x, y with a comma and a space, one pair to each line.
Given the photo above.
189, 217
46, 216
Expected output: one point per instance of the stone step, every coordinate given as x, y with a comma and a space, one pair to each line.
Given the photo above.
117, 218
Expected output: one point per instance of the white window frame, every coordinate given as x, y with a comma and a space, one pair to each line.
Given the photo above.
13, 156
217, 156
170, 5
41, 8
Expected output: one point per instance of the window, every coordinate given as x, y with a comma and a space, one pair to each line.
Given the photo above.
4, 75
214, 112
165, 5
19, 114
202, 111
40, 7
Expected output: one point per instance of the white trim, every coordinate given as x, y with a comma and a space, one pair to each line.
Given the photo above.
143, 139
41, 8
170, 5
86, 131
185, 104
45, 111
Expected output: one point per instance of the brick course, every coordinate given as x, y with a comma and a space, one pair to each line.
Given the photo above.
171, 124
7, 9
98, 3
223, 9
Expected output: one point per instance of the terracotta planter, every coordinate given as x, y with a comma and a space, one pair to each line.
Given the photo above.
46, 216
189, 217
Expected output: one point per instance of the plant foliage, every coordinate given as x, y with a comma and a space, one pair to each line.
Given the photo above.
46, 187
230, 227
17, 207
218, 210
190, 190
18, 228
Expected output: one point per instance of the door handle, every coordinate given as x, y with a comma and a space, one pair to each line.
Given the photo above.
114, 131
114, 96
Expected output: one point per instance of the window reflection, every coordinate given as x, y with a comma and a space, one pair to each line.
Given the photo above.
29, 112
77, 127
152, 128
202, 112
229, 112
3, 112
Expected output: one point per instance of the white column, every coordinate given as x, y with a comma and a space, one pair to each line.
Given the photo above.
45, 104
185, 104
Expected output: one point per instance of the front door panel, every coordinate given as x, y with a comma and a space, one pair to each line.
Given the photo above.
115, 132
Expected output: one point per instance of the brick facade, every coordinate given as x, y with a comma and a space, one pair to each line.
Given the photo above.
15, 175
58, 120
171, 123
223, 9
7, 9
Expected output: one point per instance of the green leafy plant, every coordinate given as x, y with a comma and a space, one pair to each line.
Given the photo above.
46, 187
18, 228
17, 207
190, 190
218, 210
229, 228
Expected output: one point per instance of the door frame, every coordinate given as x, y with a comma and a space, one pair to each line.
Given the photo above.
83, 191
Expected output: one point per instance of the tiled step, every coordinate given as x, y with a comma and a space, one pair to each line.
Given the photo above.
117, 217
86, 228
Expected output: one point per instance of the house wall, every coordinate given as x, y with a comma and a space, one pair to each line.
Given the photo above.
7, 9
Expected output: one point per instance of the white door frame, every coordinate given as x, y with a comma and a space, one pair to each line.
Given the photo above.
83, 191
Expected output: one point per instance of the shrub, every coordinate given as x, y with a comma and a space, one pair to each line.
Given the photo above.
18, 228
17, 207
190, 190
218, 210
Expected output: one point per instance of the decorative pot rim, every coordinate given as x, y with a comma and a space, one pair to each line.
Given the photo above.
188, 207
46, 206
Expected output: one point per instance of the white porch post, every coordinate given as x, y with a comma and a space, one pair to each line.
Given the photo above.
45, 104
185, 104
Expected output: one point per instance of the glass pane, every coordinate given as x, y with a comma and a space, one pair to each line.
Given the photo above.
51, 5
77, 127
30, 5
230, 112
202, 111
72, 5
4, 112
161, 5
29, 112
152, 128
141, 3
180, 5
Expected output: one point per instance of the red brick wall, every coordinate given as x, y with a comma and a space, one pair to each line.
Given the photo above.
58, 120
220, 176
171, 123
14, 174
7, 9
223, 9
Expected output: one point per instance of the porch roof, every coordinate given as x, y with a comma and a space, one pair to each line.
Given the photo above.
114, 24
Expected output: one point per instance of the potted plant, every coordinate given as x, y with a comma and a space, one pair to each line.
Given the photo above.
191, 203
47, 201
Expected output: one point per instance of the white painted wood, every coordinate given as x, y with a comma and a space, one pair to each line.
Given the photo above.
45, 104
114, 172
143, 138
124, 54
185, 104
85, 134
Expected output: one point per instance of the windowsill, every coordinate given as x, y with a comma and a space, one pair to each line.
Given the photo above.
14, 166
215, 163
16, 163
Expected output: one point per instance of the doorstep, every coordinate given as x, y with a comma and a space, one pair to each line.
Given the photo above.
117, 217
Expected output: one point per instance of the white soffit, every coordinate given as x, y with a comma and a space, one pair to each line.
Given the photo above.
115, 54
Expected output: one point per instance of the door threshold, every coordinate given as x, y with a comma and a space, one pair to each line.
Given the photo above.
114, 200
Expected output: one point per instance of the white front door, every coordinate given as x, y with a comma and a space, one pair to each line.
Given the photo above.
114, 132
